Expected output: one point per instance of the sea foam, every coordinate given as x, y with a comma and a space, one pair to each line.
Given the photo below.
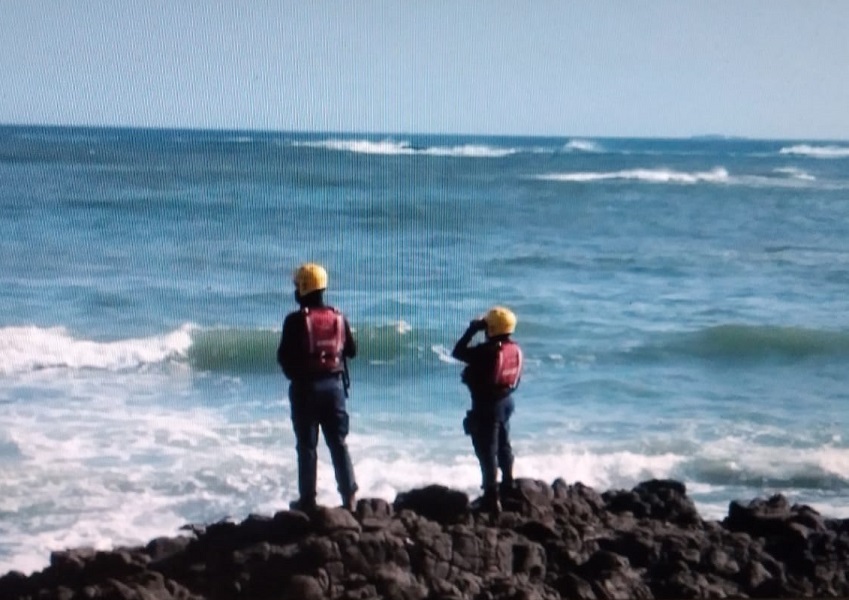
717, 175
579, 145
30, 348
404, 148
816, 151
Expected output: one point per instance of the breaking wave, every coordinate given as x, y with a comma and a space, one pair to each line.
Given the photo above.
816, 151
796, 173
29, 349
404, 148
578, 145
717, 175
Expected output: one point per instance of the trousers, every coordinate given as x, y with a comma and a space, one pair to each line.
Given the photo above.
489, 428
320, 403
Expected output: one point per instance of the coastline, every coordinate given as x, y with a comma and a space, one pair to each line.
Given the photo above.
551, 541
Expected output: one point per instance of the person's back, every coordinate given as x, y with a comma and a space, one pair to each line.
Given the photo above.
314, 345
493, 371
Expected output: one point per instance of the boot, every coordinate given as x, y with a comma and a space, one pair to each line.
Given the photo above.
507, 482
305, 505
506, 488
349, 502
488, 502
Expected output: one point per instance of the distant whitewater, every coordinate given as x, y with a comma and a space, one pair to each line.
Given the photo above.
717, 175
389, 147
682, 306
817, 151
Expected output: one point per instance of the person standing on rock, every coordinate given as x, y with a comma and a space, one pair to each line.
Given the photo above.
314, 346
492, 373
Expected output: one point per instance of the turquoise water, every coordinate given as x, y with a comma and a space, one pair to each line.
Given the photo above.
682, 305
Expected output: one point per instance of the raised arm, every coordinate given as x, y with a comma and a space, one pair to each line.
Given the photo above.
461, 348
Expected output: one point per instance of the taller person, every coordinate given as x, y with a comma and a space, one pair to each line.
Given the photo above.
314, 346
492, 373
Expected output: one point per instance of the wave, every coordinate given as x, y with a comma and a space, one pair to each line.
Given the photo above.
816, 151
27, 349
230, 350
722, 463
403, 148
717, 175
234, 350
752, 342
796, 173
581, 146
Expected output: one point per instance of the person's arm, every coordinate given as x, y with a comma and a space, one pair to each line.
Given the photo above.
461, 348
286, 351
349, 350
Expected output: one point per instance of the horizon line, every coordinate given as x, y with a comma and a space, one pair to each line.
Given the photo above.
211, 129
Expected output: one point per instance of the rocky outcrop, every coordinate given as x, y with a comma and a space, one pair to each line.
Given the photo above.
551, 541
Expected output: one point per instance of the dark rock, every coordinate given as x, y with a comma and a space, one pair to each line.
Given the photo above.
328, 520
659, 499
538, 532
577, 501
435, 502
163, 547
532, 498
14, 584
304, 587
373, 508
551, 541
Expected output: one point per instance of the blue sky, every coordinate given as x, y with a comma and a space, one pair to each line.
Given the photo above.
770, 69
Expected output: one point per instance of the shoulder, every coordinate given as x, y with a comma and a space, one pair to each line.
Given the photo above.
483, 350
336, 311
295, 317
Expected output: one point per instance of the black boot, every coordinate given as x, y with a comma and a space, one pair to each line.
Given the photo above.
349, 502
305, 505
489, 502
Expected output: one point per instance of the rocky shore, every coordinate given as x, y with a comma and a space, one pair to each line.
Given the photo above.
551, 541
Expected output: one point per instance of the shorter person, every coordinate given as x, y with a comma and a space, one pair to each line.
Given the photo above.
492, 373
314, 345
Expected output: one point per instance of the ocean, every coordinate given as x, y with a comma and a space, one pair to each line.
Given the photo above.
682, 305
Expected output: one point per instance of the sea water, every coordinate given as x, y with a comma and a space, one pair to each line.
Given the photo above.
682, 305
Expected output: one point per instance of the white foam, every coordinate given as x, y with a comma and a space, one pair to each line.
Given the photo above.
111, 469
742, 455
817, 151
796, 173
600, 470
29, 348
98, 465
581, 146
470, 151
444, 354
717, 175
391, 147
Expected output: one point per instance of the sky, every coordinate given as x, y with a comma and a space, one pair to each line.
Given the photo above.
623, 68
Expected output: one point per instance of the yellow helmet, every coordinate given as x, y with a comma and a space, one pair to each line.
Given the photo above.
499, 321
310, 277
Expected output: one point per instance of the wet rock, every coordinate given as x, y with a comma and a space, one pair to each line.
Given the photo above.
552, 541
435, 502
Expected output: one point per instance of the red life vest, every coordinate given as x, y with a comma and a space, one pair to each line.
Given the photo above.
508, 365
325, 339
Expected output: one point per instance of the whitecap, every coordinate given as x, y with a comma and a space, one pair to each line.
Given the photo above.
717, 175
816, 151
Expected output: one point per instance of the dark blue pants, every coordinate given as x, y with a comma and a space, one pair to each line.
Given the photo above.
489, 427
321, 403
